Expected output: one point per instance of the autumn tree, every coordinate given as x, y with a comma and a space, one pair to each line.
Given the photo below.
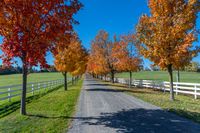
81, 60
97, 64
29, 28
72, 58
166, 36
63, 61
126, 53
112, 56
101, 53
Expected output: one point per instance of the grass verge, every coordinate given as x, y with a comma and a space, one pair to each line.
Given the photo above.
183, 105
50, 113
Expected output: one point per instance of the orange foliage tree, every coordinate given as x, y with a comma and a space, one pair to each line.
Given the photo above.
111, 56
126, 53
166, 36
72, 58
29, 28
101, 58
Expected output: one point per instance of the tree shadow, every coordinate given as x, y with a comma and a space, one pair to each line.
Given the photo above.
104, 90
122, 88
142, 121
62, 116
96, 84
9, 108
195, 116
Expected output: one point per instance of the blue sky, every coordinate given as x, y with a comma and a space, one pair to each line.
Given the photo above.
114, 16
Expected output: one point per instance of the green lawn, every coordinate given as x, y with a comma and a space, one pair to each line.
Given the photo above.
192, 77
50, 113
13, 79
8, 80
183, 105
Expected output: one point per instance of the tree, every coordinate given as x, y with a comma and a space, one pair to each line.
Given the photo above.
97, 64
64, 59
71, 58
101, 57
29, 28
80, 60
112, 56
166, 36
126, 54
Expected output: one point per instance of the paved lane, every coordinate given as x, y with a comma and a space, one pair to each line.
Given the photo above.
103, 110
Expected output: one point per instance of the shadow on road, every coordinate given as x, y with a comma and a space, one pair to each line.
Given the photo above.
96, 84
104, 90
140, 120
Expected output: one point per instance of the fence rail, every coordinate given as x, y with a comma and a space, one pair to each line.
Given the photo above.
179, 87
8, 92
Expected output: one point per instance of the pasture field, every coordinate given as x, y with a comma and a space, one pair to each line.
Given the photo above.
191, 77
49, 113
13, 79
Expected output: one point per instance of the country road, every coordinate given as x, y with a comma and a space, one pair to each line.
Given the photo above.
103, 110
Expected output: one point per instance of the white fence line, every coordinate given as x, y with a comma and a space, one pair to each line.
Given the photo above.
8, 92
179, 87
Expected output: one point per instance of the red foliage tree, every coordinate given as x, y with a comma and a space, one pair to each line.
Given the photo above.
30, 27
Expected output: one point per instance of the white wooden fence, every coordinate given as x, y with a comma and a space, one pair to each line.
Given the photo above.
8, 92
179, 87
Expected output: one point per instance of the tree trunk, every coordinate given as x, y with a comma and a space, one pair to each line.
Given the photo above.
65, 80
76, 79
178, 75
72, 80
130, 79
112, 77
24, 83
169, 68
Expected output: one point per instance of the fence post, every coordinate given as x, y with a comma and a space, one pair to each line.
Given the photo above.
164, 86
39, 87
44, 86
195, 91
9, 98
33, 89
176, 88
153, 84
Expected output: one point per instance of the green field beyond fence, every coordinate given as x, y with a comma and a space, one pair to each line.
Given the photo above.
10, 93
13, 79
191, 77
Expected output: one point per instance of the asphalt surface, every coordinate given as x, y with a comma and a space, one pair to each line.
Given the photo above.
104, 110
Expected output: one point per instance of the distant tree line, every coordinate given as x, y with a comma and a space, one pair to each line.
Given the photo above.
191, 67
10, 70
17, 69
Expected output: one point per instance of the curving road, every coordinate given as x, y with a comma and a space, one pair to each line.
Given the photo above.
103, 110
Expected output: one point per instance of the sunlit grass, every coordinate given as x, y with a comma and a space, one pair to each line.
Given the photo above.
49, 113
